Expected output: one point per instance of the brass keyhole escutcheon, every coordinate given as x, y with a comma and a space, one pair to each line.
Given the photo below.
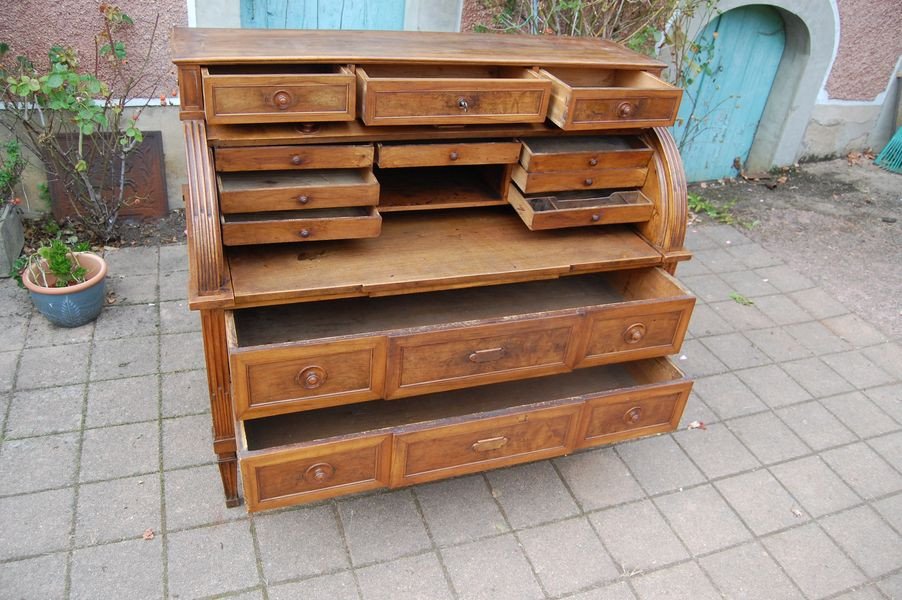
311, 377
626, 110
319, 473
633, 415
281, 99
634, 333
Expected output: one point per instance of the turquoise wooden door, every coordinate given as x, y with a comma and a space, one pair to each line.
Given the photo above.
721, 109
322, 14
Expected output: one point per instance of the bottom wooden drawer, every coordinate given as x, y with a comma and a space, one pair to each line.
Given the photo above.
301, 226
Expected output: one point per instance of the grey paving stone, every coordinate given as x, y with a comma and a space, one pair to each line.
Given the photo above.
696, 410
735, 351
715, 450
784, 278
490, 569
892, 586
8, 362
718, 260
886, 356
256, 594
777, 344
598, 478
697, 240
181, 352
176, 318
760, 501
816, 425
817, 338
697, 361
411, 578
725, 235
815, 486
185, 393
284, 541
194, 497
117, 509
702, 519
42, 332
127, 357
69, 366
889, 398
130, 569
173, 285
742, 317
860, 414
708, 287
857, 369
49, 410
35, 523
753, 256
367, 518
855, 330
867, 539
211, 560
748, 572
864, 470
768, 438
814, 375
173, 257
818, 303
692, 267
890, 448
39, 463
460, 510
12, 331
615, 591
531, 494
830, 573
626, 531
706, 321
14, 299
127, 321
134, 261
659, 464
187, 441
119, 401
891, 509
680, 581
773, 385
336, 586
781, 309
134, 289
36, 578
749, 284
728, 396
119, 451
567, 556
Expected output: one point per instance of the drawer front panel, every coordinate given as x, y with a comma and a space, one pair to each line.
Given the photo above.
476, 446
446, 360
240, 193
231, 99
589, 161
588, 179
436, 155
282, 380
626, 110
291, 476
301, 227
633, 414
276, 158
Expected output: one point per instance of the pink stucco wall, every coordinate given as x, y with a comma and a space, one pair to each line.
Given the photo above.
870, 43
32, 26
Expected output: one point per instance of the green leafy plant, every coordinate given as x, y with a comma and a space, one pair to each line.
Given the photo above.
12, 163
52, 265
702, 206
740, 299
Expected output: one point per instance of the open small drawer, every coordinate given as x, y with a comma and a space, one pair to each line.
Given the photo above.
578, 209
301, 226
595, 153
451, 95
281, 94
604, 98
291, 190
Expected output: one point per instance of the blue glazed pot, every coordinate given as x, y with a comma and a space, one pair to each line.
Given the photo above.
75, 305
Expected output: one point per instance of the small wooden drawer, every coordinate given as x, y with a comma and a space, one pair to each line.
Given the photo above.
527, 434
580, 209
652, 320
301, 226
279, 158
297, 93
440, 155
469, 356
449, 95
602, 98
296, 190
277, 475
587, 179
655, 405
593, 153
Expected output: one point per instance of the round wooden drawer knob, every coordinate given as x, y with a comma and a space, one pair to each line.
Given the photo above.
454, 156
588, 181
319, 473
634, 333
303, 199
596, 218
463, 105
311, 377
626, 110
633, 415
281, 99
296, 159
305, 233
593, 162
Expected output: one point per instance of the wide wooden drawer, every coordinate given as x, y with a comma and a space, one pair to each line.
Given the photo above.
529, 433
292, 94
301, 226
277, 475
586, 179
580, 209
584, 153
278, 158
602, 98
293, 190
469, 356
424, 95
438, 155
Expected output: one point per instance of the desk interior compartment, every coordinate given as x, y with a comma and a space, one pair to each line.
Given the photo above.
241, 229
431, 188
580, 209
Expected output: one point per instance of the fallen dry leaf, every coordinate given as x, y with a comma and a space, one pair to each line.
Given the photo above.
111, 297
697, 425
148, 534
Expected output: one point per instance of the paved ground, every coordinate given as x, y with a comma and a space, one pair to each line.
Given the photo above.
793, 490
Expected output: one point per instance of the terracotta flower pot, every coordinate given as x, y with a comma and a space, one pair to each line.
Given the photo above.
74, 305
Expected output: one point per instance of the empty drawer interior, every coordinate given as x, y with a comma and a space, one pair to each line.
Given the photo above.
419, 188
608, 78
593, 199
444, 72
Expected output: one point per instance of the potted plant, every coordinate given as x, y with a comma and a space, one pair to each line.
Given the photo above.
12, 237
67, 285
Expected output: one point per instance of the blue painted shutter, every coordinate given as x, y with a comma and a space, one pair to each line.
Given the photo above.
322, 14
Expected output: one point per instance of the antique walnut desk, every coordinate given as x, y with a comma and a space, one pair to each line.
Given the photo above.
419, 255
